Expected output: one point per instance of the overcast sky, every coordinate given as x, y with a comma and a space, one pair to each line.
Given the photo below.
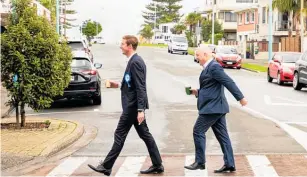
119, 17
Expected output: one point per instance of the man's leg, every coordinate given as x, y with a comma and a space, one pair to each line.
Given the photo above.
151, 145
121, 132
221, 133
203, 123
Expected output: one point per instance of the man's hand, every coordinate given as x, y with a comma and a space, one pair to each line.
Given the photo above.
194, 92
141, 117
243, 102
111, 84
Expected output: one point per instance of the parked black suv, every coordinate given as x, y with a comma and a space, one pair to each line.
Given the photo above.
300, 72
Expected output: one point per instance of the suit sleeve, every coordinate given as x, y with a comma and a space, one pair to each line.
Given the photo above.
219, 75
138, 77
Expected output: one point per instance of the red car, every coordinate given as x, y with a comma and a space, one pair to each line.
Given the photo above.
281, 67
228, 57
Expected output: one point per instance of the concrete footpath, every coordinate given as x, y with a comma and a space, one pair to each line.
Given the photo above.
21, 145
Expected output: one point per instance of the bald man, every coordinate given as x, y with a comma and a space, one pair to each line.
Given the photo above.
212, 109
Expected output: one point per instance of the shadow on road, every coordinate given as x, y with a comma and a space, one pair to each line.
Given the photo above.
74, 103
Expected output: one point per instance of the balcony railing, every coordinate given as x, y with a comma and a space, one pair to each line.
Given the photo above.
282, 26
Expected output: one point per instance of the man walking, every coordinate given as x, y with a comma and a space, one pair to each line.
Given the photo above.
212, 109
134, 103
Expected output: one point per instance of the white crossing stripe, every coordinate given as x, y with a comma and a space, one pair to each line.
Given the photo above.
261, 165
67, 167
131, 166
188, 161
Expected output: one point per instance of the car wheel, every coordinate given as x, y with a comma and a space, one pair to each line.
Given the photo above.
186, 53
238, 67
296, 83
97, 100
270, 79
279, 82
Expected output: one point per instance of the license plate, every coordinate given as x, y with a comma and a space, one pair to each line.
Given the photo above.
229, 63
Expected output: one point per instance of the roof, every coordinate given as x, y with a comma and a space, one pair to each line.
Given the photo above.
246, 8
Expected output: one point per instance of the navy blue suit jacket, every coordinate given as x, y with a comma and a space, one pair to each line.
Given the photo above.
133, 87
211, 96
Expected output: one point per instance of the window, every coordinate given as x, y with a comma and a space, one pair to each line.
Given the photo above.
263, 14
246, 17
230, 17
240, 18
221, 15
164, 29
252, 17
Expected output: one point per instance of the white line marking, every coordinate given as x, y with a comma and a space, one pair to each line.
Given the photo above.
267, 100
188, 161
298, 135
131, 166
261, 165
287, 99
301, 123
67, 167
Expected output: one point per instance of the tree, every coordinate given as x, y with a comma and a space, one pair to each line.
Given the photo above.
167, 11
146, 32
51, 5
291, 6
35, 67
192, 20
179, 28
91, 28
206, 29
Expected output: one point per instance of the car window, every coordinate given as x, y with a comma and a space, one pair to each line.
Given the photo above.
226, 50
76, 45
81, 63
290, 58
180, 39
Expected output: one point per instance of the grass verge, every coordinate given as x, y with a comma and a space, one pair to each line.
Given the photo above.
191, 51
255, 67
153, 45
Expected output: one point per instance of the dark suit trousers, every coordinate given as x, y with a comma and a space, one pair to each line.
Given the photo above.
124, 125
219, 127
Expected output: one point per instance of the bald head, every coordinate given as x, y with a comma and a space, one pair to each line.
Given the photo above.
203, 54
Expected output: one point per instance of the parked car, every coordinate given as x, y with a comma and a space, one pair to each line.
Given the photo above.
80, 44
211, 46
281, 67
228, 57
300, 72
98, 40
85, 80
178, 44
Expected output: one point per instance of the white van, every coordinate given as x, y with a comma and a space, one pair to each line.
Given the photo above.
178, 44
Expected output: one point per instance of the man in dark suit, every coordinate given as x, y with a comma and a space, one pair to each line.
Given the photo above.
134, 103
212, 109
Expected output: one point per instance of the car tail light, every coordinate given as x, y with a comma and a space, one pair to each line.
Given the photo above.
90, 72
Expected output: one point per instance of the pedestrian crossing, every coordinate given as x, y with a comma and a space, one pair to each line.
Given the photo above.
271, 165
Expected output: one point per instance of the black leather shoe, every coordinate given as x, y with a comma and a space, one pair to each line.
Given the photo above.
153, 170
225, 169
101, 169
196, 166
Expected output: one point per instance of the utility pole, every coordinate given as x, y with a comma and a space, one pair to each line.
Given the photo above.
64, 24
302, 26
270, 29
58, 16
213, 19
155, 19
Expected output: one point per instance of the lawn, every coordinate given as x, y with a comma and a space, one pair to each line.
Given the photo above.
255, 67
153, 45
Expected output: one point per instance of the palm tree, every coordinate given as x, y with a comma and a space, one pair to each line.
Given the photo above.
146, 32
292, 6
179, 28
192, 20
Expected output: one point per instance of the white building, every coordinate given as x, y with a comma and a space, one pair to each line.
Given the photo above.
223, 10
163, 34
6, 10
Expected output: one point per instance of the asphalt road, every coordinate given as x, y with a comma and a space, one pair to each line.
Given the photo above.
172, 113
